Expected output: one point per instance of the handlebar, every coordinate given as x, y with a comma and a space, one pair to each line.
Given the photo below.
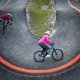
52, 45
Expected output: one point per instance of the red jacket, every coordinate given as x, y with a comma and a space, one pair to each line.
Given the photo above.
5, 16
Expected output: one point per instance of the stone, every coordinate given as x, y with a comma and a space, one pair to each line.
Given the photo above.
45, 7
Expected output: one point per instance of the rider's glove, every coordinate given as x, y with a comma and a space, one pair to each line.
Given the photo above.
52, 44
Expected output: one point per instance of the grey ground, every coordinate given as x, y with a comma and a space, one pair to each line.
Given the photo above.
18, 45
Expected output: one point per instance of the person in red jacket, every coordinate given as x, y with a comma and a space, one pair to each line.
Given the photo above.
8, 18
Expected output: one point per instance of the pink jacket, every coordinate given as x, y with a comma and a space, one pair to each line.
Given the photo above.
45, 39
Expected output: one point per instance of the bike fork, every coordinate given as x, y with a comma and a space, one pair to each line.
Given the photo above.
54, 51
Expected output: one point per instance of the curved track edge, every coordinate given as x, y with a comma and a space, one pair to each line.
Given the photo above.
3, 61
74, 7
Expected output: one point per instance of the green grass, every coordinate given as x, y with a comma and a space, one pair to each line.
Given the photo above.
38, 17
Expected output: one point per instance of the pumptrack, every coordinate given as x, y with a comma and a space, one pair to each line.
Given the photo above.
16, 43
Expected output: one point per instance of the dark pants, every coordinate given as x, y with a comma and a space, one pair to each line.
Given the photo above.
44, 47
5, 25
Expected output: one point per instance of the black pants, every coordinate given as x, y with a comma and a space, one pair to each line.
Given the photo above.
44, 47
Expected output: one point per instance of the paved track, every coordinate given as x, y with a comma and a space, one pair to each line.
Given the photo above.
18, 44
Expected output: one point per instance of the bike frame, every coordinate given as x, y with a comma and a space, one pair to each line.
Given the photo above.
51, 47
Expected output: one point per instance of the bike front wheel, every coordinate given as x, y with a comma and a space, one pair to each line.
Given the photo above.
37, 56
57, 54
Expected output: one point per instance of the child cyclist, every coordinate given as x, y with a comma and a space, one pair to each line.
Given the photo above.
6, 17
44, 41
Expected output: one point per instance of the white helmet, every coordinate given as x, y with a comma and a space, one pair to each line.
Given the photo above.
9, 14
47, 32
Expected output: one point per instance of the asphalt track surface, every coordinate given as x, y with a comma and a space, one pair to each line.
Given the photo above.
18, 45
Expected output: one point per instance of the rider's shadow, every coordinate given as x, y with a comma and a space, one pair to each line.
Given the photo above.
1, 28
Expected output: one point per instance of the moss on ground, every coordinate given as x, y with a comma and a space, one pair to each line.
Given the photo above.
39, 18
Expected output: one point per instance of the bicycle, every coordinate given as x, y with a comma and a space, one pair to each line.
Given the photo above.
57, 54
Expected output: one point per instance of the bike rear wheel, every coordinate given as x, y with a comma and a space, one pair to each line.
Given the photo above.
37, 56
57, 54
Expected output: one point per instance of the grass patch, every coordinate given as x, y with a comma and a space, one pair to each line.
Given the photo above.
38, 17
